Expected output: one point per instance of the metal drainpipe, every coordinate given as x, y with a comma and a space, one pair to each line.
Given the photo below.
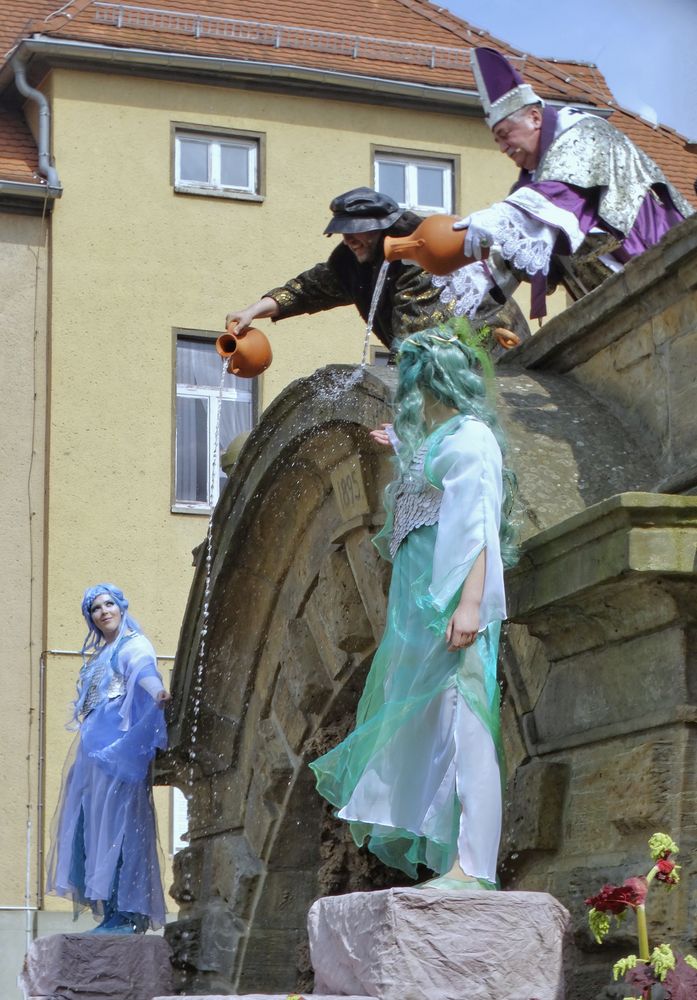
46, 169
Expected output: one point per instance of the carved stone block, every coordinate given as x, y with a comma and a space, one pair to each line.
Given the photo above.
308, 683
260, 818
525, 665
187, 868
372, 576
534, 810
339, 605
101, 967
639, 793
431, 945
206, 941
611, 686
271, 959
228, 870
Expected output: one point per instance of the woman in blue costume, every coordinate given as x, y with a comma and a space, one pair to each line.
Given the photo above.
419, 778
104, 853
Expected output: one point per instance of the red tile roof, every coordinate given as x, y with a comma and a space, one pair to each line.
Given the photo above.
390, 39
665, 146
18, 158
394, 21
18, 18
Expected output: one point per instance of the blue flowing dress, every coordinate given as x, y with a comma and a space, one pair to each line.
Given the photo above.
419, 778
104, 838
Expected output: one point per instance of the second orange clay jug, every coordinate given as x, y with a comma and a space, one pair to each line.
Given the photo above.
249, 353
434, 244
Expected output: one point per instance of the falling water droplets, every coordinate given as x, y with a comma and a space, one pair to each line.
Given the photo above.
331, 387
205, 610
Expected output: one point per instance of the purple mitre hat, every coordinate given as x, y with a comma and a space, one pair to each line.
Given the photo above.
502, 89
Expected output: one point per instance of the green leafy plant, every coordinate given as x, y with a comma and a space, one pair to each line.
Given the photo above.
676, 974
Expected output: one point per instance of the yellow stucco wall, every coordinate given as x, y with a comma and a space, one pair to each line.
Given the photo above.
132, 261
23, 276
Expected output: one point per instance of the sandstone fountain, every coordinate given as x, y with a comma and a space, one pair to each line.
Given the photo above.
598, 668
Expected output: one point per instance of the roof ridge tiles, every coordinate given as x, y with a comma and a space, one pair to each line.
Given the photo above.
465, 30
534, 66
419, 23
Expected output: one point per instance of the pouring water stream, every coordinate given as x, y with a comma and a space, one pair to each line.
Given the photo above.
379, 284
203, 635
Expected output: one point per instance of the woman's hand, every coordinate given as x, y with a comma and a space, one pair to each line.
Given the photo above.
463, 627
381, 435
162, 696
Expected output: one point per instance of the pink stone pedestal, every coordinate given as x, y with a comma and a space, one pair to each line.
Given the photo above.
97, 967
420, 944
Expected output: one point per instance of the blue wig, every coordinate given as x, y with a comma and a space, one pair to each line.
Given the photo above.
94, 637
94, 644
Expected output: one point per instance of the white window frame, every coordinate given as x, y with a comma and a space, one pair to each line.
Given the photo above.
411, 162
179, 821
215, 140
215, 398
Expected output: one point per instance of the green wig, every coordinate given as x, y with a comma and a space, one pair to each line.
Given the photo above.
440, 363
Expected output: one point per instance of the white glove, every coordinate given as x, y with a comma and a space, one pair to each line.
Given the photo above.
480, 228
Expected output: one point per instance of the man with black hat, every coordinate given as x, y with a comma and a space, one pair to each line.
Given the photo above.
408, 302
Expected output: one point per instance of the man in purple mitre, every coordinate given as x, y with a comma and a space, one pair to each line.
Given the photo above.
586, 201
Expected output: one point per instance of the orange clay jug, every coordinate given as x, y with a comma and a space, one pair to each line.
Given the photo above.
249, 353
434, 244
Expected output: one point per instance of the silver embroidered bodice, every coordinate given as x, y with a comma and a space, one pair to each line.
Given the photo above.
115, 689
416, 501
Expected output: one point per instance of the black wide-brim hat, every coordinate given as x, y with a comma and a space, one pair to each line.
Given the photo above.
362, 210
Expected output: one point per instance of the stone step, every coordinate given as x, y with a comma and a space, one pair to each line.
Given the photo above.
98, 966
425, 944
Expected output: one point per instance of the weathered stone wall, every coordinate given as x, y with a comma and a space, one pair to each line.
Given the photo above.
297, 607
632, 344
600, 666
597, 668
607, 712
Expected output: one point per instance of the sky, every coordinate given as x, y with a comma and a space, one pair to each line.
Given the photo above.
646, 49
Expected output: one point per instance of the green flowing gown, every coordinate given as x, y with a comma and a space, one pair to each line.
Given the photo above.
418, 779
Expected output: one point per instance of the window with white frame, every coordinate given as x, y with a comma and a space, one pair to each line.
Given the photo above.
423, 184
179, 821
217, 163
206, 401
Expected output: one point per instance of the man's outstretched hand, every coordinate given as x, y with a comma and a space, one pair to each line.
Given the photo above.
243, 318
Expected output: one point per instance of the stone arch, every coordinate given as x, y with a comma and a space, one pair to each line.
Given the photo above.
297, 601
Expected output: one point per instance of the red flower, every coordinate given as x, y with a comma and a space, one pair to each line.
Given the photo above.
616, 898
665, 871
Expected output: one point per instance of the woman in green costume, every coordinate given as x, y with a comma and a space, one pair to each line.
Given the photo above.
419, 778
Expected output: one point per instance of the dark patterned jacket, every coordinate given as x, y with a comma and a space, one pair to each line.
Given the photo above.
408, 303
